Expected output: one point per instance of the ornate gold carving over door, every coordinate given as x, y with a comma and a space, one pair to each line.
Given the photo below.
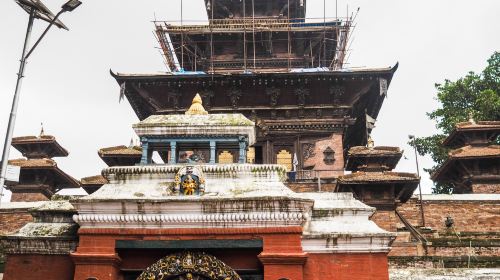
189, 266
284, 158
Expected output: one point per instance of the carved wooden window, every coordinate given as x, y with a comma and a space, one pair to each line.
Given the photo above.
225, 157
284, 158
329, 156
251, 155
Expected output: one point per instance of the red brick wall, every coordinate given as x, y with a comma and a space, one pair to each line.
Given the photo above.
282, 255
346, 266
317, 163
18, 197
475, 232
12, 219
311, 187
385, 219
486, 188
36, 267
469, 216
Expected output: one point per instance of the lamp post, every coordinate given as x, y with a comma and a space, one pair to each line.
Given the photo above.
36, 10
412, 137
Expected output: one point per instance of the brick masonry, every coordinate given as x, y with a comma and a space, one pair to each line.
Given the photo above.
386, 219
311, 187
317, 162
35, 267
346, 266
28, 197
468, 215
473, 241
486, 188
13, 219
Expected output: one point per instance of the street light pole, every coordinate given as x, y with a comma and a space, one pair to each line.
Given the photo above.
37, 10
412, 137
15, 101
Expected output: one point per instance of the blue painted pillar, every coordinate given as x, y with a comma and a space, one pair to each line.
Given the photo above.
212, 151
173, 152
145, 152
243, 150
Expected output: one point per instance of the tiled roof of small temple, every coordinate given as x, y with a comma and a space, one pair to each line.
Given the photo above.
61, 179
33, 163
456, 139
120, 150
362, 157
386, 176
39, 146
470, 152
94, 180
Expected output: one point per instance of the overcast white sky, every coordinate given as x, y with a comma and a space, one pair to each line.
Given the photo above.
69, 89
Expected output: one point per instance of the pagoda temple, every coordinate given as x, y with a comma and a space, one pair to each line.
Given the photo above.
373, 182
40, 177
112, 156
473, 164
269, 62
199, 219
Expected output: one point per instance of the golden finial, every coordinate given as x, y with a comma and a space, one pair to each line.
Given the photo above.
42, 132
370, 143
196, 107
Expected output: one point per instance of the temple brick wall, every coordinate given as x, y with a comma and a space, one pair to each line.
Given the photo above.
13, 219
28, 197
486, 188
386, 219
474, 241
316, 159
47, 267
311, 187
468, 215
346, 266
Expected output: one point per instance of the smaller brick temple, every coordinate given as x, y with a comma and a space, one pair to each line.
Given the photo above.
199, 219
40, 177
374, 182
473, 164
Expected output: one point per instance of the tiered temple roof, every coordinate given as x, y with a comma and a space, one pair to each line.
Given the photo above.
43, 146
373, 180
93, 183
112, 156
120, 155
473, 163
283, 104
40, 177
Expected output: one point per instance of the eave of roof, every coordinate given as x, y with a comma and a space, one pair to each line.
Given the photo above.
476, 152
33, 163
378, 151
470, 126
120, 151
465, 153
47, 164
94, 180
20, 142
378, 177
343, 72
